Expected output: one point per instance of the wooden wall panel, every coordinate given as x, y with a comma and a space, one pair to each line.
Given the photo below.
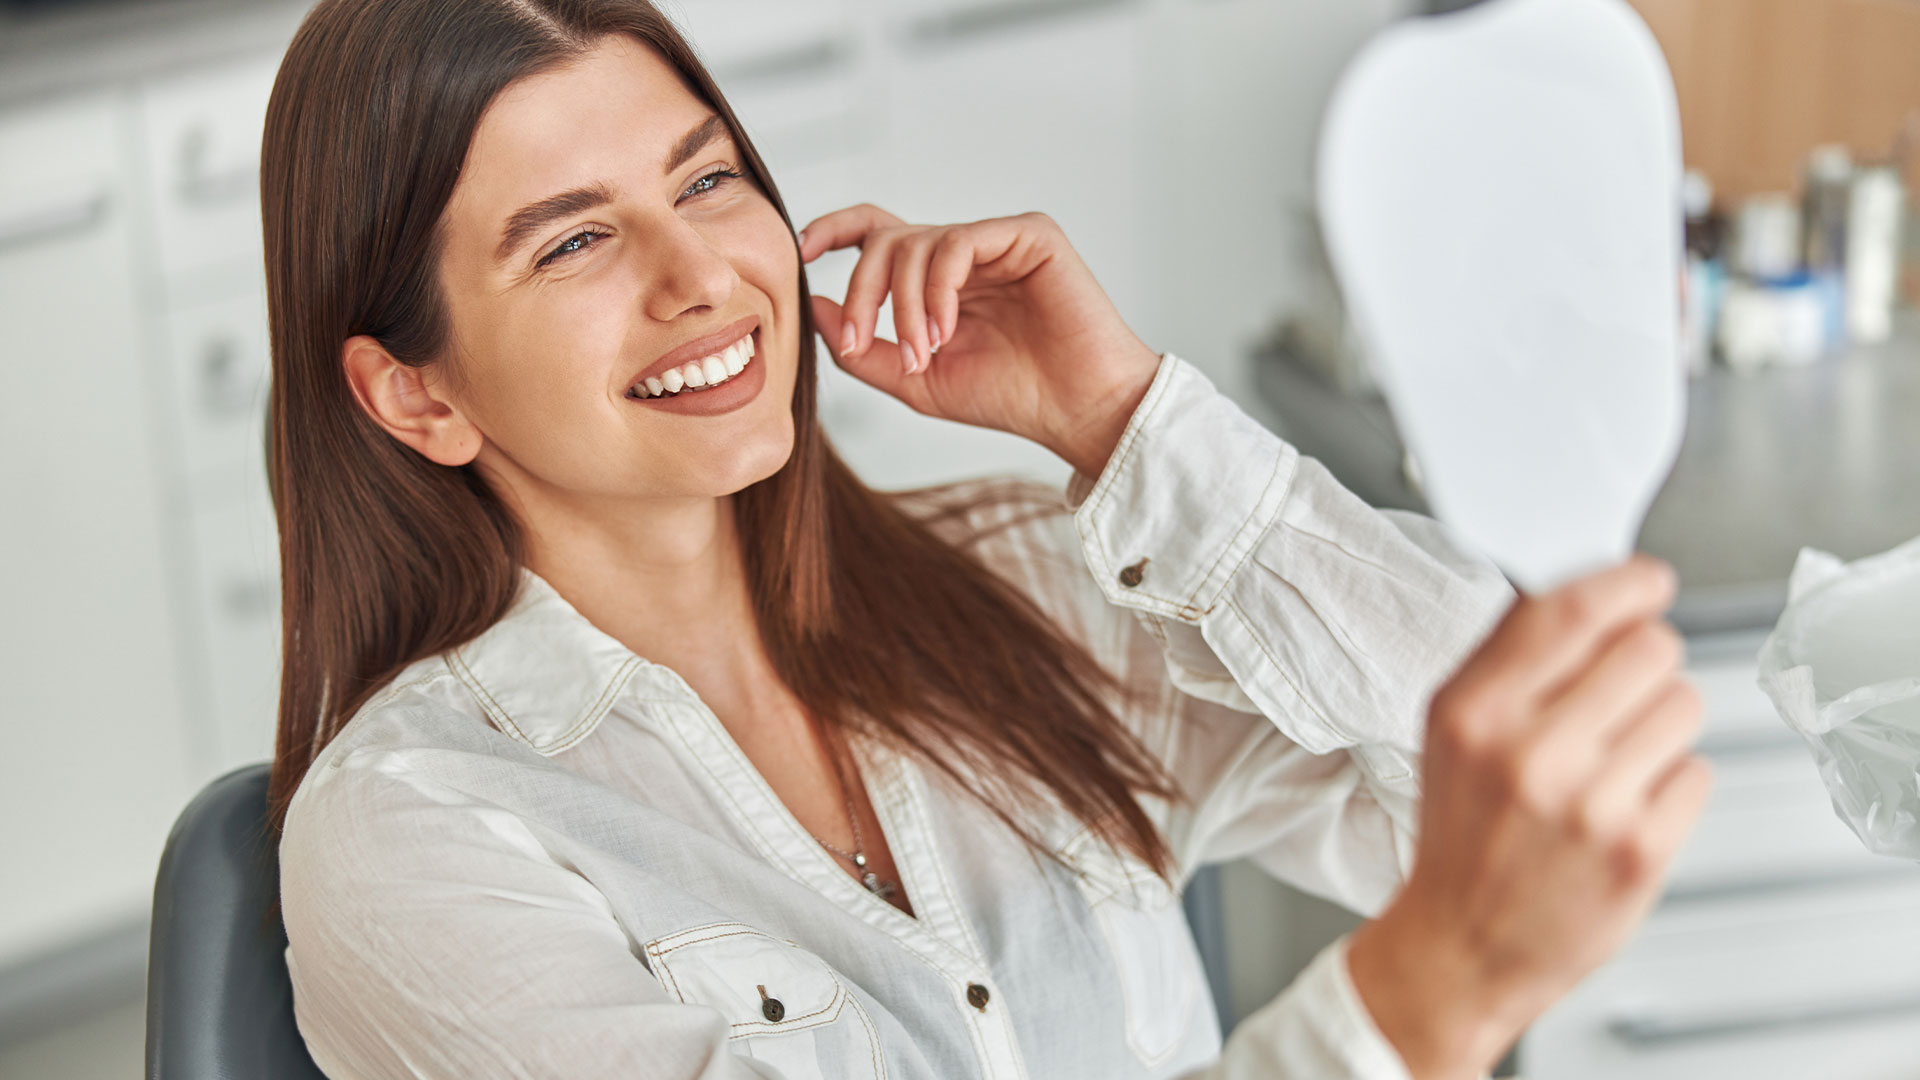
1761, 82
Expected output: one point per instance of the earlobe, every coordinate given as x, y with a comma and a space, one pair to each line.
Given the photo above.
408, 403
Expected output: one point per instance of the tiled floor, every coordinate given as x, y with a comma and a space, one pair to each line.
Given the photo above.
111, 1046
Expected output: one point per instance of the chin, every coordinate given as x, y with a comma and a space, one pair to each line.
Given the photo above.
754, 460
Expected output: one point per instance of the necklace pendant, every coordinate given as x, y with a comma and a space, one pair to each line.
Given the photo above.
875, 886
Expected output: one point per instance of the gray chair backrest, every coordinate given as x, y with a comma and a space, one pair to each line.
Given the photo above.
219, 1005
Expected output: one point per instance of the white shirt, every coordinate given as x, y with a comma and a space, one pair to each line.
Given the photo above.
540, 855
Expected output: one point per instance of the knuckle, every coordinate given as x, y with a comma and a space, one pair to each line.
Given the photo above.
1576, 607
1466, 715
1512, 775
1687, 703
1593, 820
1655, 646
1670, 649
1636, 855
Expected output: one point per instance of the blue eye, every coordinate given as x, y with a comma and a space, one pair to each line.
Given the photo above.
565, 248
710, 181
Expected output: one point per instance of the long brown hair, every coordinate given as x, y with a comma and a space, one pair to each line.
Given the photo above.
875, 622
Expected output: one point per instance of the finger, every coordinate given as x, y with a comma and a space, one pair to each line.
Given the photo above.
1633, 667
1678, 796
847, 227
1544, 639
866, 291
909, 300
879, 367
1643, 752
948, 268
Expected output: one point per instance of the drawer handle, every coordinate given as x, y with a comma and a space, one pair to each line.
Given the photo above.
201, 186
69, 215
229, 386
1644, 1032
1000, 15
800, 62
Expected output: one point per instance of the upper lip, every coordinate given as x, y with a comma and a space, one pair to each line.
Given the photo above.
699, 348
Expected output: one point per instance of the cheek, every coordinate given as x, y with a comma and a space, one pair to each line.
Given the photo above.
764, 254
545, 364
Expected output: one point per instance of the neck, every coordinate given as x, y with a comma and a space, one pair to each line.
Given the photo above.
666, 579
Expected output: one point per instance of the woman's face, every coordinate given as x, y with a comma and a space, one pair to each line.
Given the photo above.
558, 313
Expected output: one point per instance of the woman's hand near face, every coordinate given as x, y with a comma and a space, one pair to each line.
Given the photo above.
1558, 783
997, 323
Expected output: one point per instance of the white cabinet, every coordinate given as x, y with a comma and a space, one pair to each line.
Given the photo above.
199, 169
1781, 948
98, 759
1821, 982
200, 139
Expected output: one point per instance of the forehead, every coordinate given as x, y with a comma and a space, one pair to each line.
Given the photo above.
615, 112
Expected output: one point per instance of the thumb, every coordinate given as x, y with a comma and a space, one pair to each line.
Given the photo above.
880, 367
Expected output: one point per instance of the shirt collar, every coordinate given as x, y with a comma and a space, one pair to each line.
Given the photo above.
546, 676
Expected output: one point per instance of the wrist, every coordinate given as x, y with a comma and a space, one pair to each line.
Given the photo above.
1429, 997
1094, 432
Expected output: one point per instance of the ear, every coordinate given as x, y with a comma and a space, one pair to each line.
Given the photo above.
410, 403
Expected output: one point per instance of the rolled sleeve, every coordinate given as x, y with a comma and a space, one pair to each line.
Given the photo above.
1336, 620
1318, 1027
1273, 589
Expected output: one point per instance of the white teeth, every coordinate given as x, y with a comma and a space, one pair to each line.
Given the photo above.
706, 371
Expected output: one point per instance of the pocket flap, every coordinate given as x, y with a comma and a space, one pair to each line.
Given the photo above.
760, 983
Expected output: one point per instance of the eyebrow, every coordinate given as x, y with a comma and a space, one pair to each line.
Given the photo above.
533, 217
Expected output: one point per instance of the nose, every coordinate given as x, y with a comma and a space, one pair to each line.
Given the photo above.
688, 275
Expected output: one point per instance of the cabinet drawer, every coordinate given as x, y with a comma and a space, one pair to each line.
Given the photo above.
217, 365
236, 602
741, 37
60, 179
1817, 983
201, 165
1726, 670
1769, 820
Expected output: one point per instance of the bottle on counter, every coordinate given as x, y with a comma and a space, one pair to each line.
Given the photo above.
1875, 217
1828, 190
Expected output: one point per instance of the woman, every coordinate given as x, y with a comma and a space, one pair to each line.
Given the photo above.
624, 732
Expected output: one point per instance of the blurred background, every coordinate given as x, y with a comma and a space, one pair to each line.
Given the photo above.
1173, 141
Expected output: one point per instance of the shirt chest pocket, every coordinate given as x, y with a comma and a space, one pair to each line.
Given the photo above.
1154, 958
783, 1005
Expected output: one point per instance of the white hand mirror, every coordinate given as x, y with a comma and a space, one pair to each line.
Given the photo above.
1500, 192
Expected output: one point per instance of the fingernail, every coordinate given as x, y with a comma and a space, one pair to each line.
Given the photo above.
907, 357
846, 340
933, 334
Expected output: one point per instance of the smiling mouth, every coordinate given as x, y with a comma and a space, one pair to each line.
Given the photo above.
697, 375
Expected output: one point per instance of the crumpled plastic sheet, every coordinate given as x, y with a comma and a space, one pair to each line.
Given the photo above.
1843, 668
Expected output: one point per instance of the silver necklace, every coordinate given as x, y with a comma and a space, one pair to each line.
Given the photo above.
875, 884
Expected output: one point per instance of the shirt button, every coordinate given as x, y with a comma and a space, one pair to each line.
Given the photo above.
977, 996
770, 1007
1131, 575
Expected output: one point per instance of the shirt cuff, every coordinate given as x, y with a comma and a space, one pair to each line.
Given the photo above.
1317, 1027
1163, 532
